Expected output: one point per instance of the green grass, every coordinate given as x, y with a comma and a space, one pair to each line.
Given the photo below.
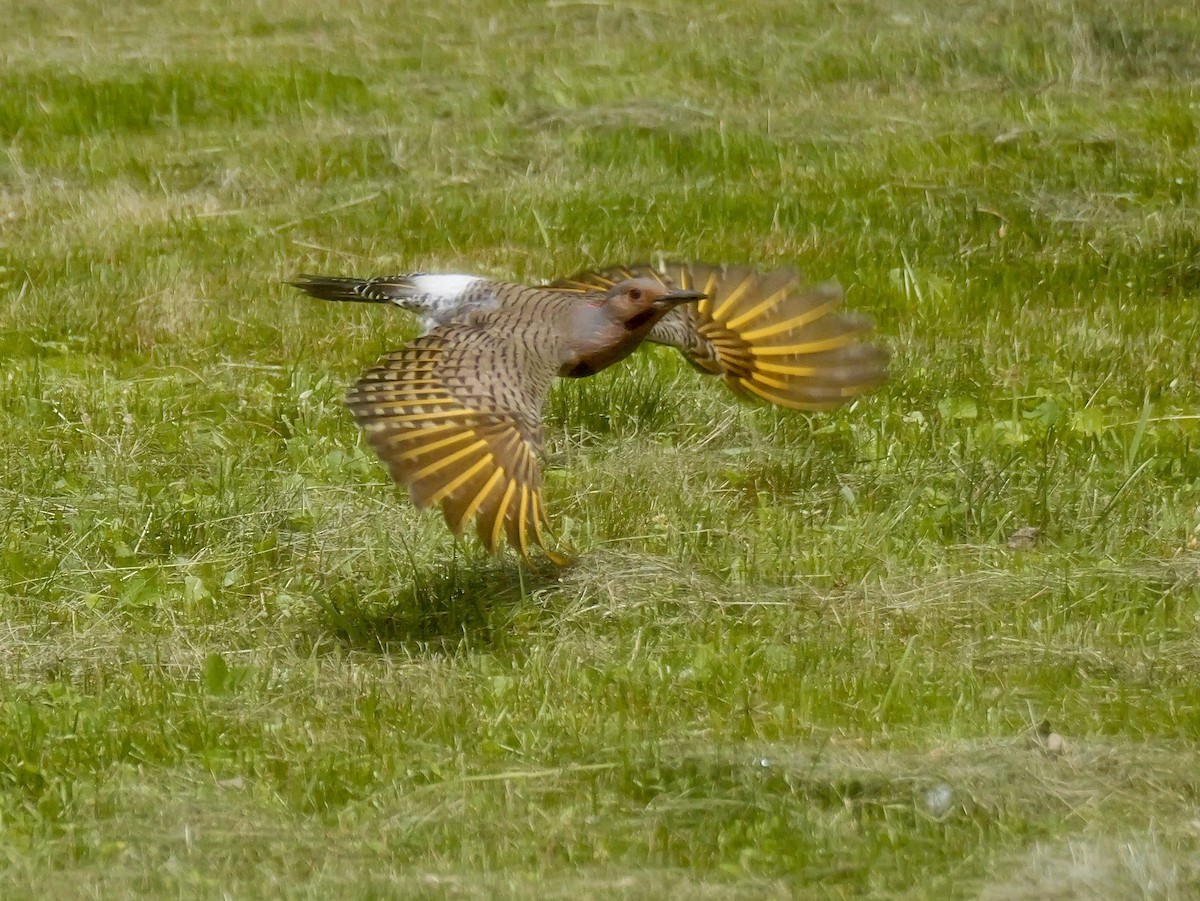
797, 656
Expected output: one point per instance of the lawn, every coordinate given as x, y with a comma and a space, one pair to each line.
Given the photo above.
799, 655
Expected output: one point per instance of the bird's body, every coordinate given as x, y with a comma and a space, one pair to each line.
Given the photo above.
544, 317
456, 414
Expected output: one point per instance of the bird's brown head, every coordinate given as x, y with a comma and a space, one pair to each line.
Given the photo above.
611, 326
638, 303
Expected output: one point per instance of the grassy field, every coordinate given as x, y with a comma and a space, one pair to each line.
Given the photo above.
797, 656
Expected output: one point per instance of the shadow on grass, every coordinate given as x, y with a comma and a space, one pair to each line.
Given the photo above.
435, 608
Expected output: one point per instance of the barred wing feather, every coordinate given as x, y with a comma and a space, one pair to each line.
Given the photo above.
456, 416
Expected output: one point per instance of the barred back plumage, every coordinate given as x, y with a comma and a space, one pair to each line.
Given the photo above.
456, 414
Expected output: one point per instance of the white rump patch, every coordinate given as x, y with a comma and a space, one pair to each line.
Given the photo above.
447, 286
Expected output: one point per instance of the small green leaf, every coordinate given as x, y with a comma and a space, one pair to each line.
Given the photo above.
193, 589
1088, 421
216, 674
958, 408
1010, 432
1046, 413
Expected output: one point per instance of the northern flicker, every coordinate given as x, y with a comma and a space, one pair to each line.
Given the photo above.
456, 414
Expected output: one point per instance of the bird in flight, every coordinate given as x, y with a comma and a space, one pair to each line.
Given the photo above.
456, 414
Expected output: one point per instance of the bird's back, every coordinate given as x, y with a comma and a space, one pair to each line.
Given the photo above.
443, 299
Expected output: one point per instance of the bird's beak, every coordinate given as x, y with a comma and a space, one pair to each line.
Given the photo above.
671, 298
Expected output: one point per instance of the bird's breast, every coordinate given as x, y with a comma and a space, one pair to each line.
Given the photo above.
592, 340
579, 370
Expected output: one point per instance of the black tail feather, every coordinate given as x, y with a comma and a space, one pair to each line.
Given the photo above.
333, 287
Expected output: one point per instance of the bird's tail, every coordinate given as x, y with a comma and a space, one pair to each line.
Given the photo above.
393, 289
765, 333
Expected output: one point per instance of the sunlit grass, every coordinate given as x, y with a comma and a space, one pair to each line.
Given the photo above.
798, 655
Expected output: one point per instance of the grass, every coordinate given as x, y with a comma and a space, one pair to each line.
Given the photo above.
798, 656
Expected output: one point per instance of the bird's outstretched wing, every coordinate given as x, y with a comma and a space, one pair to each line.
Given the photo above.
766, 333
456, 416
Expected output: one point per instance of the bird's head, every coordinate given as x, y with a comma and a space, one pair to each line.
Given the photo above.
638, 303
610, 326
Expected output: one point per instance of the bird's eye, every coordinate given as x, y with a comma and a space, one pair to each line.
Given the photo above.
635, 293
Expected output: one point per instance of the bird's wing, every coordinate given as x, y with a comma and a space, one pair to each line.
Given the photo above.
766, 333
456, 416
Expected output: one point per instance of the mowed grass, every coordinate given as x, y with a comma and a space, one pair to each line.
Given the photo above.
797, 656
